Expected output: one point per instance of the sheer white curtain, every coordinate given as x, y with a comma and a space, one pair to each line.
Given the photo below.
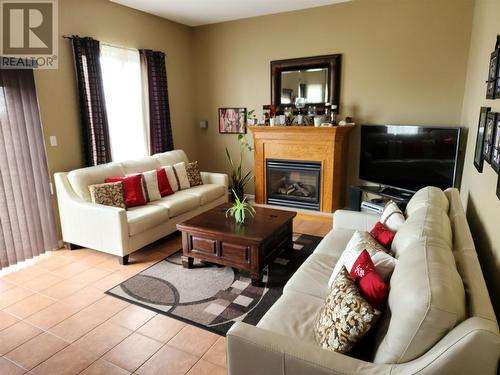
123, 91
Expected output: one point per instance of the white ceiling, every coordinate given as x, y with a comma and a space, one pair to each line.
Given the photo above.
202, 12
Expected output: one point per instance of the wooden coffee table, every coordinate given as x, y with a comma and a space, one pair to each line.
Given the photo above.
213, 238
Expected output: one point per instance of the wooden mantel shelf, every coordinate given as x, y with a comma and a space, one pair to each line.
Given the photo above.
327, 145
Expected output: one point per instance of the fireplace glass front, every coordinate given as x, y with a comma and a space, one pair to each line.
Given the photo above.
293, 183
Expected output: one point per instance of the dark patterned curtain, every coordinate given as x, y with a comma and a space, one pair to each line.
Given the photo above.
92, 104
160, 128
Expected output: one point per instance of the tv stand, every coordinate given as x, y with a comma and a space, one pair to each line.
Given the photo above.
399, 196
393, 193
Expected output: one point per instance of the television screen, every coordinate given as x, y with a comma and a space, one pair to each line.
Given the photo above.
409, 157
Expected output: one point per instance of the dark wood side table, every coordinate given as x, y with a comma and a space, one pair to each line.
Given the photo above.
249, 247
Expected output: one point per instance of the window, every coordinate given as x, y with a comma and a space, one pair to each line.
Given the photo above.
123, 92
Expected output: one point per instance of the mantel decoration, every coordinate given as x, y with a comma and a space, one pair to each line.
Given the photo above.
238, 179
232, 120
239, 209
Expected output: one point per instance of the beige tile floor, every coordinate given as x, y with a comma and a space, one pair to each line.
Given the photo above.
56, 319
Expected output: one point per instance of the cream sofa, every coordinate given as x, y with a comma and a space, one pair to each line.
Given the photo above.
439, 318
120, 232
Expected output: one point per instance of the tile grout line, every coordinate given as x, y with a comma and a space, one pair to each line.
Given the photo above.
133, 331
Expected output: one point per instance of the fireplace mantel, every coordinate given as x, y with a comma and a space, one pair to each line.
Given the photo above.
327, 145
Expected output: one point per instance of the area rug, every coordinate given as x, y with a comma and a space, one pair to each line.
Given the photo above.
209, 296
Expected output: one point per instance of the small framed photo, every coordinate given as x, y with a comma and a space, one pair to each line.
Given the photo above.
497, 89
232, 121
478, 154
495, 149
493, 74
488, 136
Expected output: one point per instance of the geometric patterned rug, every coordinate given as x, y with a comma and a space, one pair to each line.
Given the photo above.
210, 296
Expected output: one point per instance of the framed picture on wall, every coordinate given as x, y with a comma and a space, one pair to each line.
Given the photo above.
492, 74
497, 89
488, 135
232, 121
478, 154
495, 149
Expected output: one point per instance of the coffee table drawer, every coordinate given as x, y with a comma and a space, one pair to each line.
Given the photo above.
235, 253
203, 245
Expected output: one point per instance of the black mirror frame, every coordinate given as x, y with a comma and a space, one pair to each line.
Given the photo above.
332, 62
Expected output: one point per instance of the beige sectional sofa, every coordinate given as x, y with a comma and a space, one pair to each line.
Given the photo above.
120, 232
439, 318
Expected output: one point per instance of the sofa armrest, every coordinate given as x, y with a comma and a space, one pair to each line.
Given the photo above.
88, 224
215, 178
253, 350
354, 220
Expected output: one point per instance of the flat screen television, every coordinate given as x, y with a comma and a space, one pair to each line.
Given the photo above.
409, 157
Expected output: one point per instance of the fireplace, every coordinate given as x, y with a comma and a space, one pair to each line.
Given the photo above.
293, 183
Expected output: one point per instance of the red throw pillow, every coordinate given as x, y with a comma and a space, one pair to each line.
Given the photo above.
383, 235
370, 285
163, 184
132, 189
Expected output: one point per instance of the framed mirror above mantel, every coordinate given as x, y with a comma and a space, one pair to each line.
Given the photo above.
308, 81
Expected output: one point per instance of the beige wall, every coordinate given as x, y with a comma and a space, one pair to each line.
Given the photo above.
478, 189
114, 24
404, 61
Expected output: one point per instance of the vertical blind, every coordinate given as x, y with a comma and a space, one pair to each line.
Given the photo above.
27, 226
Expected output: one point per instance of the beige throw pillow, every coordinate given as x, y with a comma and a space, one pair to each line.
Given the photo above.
151, 181
392, 217
172, 178
346, 316
182, 178
108, 194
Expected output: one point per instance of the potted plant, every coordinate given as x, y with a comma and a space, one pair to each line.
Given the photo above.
239, 209
238, 179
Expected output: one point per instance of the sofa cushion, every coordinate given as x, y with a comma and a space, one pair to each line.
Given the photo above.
312, 277
108, 194
428, 221
360, 241
428, 196
334, 242
181, 175
178, 203
171, 157
133, 189
142, 218
392, 217
345, 317
293, 315
140, 165
207, 193
81, 179
426, 300
193, 173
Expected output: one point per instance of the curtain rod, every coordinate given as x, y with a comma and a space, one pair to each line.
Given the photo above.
71, 37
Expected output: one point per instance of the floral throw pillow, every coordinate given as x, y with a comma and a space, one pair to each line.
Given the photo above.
108, 194
193, 173
346, 316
